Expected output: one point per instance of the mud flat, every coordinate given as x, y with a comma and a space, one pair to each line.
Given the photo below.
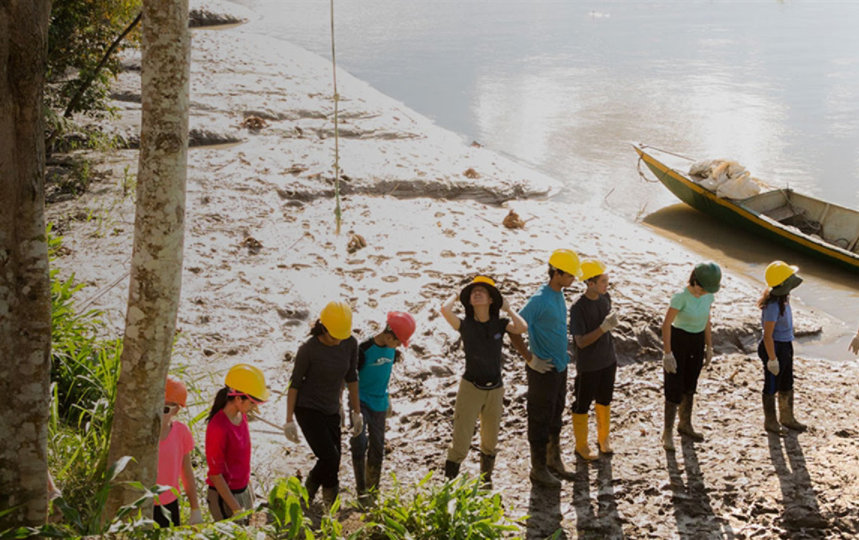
262, 258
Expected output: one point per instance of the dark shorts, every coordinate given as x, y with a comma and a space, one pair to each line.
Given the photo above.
593, 386
688, 349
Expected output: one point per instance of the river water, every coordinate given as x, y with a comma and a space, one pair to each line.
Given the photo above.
566, 86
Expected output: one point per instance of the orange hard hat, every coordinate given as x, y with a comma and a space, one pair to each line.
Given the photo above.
175, 391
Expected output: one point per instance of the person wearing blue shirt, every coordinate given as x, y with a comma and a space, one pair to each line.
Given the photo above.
776, 346
546, 359
376, 358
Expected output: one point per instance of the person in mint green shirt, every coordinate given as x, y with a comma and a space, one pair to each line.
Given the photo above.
687, 346
376, 358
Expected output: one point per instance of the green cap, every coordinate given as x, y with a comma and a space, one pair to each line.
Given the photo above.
709, 275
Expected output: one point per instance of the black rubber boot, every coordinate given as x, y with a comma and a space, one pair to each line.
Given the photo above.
668, 428
374, 474
539, 472
770, 422
785, 412
329, 494
312, 486
684, 427
487, 463
360, 478
554, 461
451, 469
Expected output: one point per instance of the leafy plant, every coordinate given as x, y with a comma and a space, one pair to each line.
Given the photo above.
457, 509
128, 519
286, 501
80, 35
84, 372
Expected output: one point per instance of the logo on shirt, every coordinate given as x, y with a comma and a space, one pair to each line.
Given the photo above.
382, 360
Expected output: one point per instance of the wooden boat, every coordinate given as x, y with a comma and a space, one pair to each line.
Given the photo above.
819, 228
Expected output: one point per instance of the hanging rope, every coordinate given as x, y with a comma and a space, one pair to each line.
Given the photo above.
337, 213
641, 173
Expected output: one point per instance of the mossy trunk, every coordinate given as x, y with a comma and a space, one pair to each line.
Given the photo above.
156, 265
25, 290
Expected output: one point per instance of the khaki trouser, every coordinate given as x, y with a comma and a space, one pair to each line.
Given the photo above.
473, 403
219, 509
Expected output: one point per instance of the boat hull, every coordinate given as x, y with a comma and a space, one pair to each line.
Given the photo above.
735, 213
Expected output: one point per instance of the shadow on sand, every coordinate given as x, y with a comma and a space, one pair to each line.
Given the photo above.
544, 511
801, 513
602, 521
692, 509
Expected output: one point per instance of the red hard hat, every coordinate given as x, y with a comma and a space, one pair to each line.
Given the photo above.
175, 391
402, 325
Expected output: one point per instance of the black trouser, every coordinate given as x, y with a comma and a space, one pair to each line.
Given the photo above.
322, 432
593, 385
372, 437
161, 519
547, 394
688, 350
783, 382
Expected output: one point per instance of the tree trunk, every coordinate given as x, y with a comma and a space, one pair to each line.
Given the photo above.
156, 264
25, 293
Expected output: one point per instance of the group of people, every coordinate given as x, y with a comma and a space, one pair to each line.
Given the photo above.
332, 358
590, 320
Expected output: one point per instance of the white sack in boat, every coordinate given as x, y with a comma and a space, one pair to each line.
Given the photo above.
741, 187
727, 178
703, 168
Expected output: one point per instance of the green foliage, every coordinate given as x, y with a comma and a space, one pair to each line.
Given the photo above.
457, 509
80, 32
286, 501
128, 519
84, 373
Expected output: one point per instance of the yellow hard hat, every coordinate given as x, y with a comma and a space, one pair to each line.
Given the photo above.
778, 271
591, 268
567, 261
487, 283
248, 380
336, 317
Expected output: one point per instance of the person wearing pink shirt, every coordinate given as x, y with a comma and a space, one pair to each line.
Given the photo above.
228, 441
174, 459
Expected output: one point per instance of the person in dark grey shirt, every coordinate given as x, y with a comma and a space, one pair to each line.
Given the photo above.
591, 323
322, 365
481, 391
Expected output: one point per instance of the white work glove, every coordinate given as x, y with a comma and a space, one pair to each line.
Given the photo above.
539, 365
610, 322
291, 432
357, 423
669, 363
854, 345
196, 517
772, 366
708, 354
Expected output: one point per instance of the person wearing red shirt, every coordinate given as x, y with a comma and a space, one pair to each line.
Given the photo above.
228, 441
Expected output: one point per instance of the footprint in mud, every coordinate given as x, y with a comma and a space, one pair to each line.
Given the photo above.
390, 279
448, 253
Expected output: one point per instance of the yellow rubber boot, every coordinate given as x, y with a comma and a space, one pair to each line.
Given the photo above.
603, 413
580, 430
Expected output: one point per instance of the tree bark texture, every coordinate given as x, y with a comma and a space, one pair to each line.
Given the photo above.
25, 293
156, 265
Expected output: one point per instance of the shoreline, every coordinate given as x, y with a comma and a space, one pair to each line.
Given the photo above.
261, 259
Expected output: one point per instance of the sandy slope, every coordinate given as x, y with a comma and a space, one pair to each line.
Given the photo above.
262, 259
